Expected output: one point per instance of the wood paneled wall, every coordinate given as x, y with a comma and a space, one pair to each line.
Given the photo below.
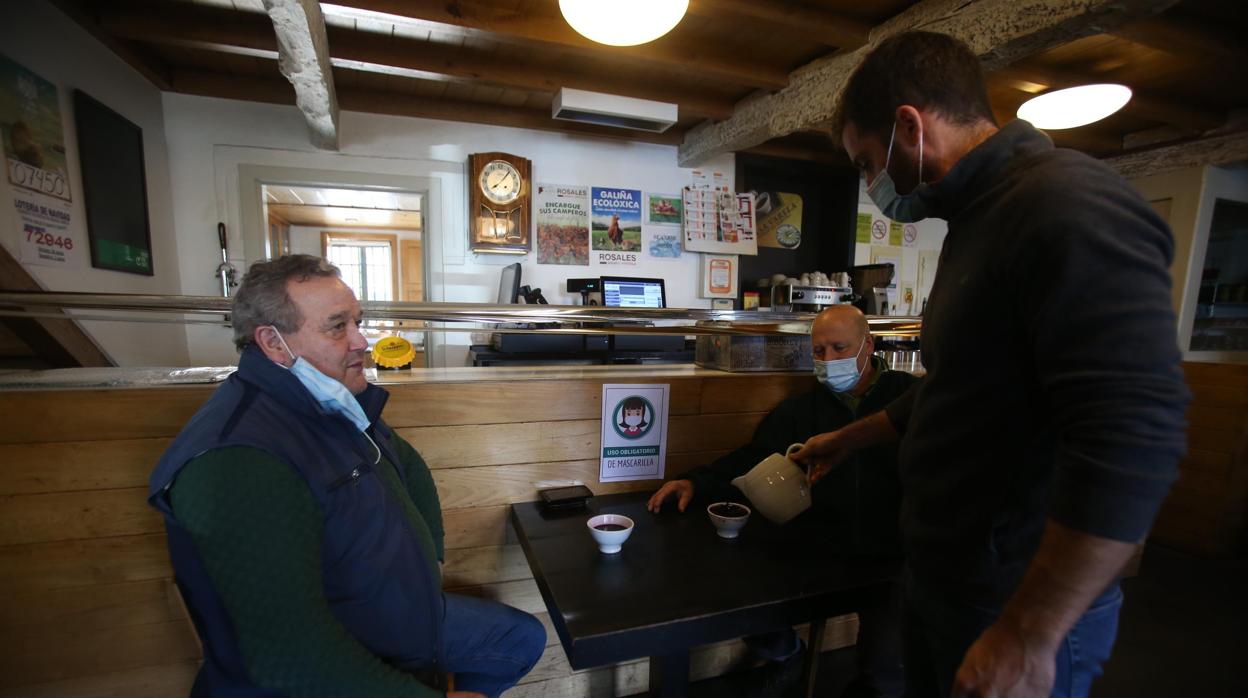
1207, 510
87, 605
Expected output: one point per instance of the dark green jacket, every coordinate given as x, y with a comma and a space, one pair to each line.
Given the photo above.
856, 504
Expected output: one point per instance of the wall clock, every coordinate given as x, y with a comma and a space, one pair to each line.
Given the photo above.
499, 197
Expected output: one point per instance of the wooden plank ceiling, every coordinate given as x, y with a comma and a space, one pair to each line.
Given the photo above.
500, 62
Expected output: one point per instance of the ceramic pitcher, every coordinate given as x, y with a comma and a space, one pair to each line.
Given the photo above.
777, 487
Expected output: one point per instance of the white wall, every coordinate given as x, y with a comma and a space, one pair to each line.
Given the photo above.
209, 139
931, 235
49, 44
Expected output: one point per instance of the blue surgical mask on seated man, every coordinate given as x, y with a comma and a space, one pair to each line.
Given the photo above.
903, 208
840, 375
332, 395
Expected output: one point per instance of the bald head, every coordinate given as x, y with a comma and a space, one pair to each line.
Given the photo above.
841, 318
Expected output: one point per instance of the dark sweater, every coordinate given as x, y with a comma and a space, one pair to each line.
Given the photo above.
856, 504
1053, 386
257, 528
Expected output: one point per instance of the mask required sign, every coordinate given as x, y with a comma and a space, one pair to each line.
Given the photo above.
634, 432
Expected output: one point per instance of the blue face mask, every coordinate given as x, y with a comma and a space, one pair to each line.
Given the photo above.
903, 208
332, 395
840, 375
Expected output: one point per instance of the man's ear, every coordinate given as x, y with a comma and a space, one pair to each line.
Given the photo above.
267, 339
909, 125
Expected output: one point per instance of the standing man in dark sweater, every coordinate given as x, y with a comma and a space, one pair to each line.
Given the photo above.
1037, 450
854, 510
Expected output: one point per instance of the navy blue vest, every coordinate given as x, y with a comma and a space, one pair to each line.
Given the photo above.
378, 574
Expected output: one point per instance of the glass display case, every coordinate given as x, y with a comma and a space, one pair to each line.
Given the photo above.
1221, 319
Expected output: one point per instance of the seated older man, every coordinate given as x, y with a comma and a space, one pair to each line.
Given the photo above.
854, 508
305, 534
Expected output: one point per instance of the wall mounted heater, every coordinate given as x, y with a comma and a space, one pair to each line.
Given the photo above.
613, 110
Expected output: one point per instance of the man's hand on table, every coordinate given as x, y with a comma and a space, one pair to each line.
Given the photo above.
683, 489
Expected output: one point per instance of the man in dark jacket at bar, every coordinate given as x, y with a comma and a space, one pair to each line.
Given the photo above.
306, 535
854, 510
1037, 450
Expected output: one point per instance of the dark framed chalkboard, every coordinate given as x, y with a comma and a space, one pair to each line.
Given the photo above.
114, 183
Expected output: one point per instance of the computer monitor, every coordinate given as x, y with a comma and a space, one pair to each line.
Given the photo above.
629, 292
509, 284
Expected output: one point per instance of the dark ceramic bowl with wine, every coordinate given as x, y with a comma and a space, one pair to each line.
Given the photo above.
729, 518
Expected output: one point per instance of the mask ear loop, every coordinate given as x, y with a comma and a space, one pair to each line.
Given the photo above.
891, 138
920, 152
282, 339
374, 443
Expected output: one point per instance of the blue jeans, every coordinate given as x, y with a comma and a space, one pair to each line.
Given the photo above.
489, 646
938, 632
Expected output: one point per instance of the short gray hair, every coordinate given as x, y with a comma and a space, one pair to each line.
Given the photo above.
262, 299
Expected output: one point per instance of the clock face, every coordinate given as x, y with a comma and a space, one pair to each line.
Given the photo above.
500, 182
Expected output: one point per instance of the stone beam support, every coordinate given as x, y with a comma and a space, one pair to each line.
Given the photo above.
1227, 149
999, 31
304, 59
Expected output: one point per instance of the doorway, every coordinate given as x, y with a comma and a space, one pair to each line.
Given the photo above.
374, 236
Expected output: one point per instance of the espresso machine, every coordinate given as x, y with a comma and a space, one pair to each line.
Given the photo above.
796, 298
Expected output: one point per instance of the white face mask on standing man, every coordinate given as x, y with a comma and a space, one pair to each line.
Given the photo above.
903, 208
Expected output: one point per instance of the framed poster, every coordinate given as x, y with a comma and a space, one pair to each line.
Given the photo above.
663, 209
30, 128
562, 216
114, 184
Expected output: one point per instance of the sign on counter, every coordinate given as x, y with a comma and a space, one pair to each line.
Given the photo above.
634, 432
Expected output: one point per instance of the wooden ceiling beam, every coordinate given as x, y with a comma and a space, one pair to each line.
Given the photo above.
156, 72
232, 32
1181, 36
1226, 149
998, 31
797, 19
1143, 103
303, 52
489, 20
227, 86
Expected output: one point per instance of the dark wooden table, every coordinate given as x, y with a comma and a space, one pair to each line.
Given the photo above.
677, 585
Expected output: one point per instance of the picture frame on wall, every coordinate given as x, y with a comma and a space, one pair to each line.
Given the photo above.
114, 184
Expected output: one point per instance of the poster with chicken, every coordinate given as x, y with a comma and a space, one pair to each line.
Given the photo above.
616, 219
30, 127
562, 220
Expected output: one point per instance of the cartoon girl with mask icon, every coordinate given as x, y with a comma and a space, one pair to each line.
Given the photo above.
633, 417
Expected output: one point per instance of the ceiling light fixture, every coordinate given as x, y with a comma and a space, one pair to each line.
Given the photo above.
623, 23
1074, 106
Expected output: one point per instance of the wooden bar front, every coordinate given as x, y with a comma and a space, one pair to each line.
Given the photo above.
87, 604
